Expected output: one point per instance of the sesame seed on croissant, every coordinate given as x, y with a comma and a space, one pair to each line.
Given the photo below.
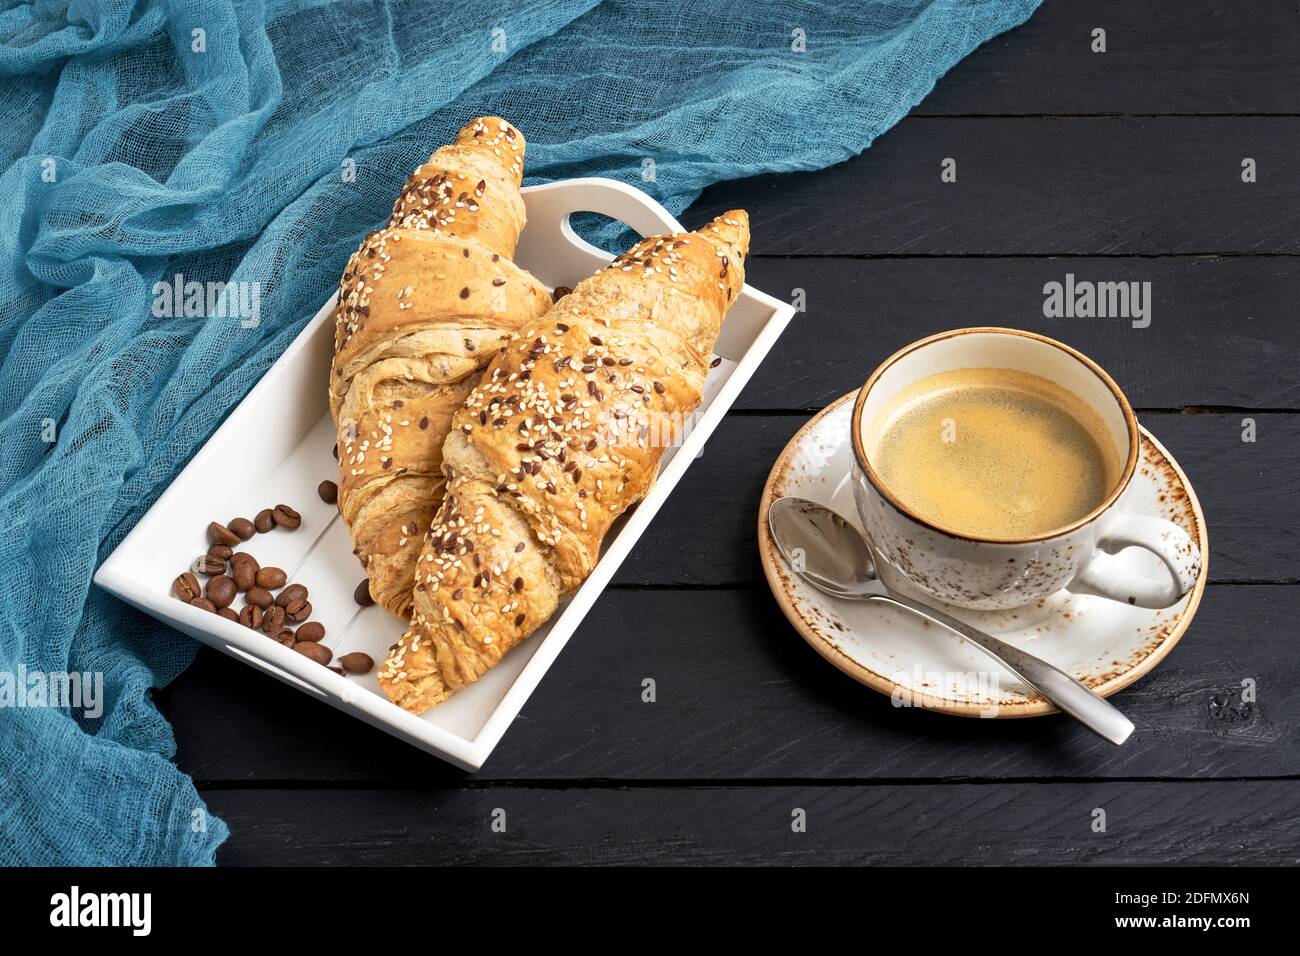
424, 304
563, 433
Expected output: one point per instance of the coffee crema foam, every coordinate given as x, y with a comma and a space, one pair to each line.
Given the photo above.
993, 452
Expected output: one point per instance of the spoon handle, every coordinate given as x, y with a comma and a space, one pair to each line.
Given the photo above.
1056, 685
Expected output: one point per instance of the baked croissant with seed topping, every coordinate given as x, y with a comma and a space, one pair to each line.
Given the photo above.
423, 306
562, 435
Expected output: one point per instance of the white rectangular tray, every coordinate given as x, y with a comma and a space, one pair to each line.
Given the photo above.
294, 456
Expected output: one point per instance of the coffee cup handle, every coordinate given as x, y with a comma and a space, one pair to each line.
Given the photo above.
1104, 575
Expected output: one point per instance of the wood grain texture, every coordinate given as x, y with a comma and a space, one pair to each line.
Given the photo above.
740, 696
1117, 167
1100, 186
1024, 823
1222, 330
1194, 56
1250, 492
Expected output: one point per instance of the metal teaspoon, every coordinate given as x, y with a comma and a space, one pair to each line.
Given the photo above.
837, 559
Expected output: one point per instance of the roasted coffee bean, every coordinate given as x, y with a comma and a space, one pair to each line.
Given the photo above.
186, 587
285, 637
228, 613
219, 534
316, 652
204, 604
244, 568
357, 663
221, 590
362, 594
264, 521
221, 551
250, 615
312, 631
259, 596
273, 620
271, 578
328, 491
244, 576
209, 564
301, 614
286, 517
292, 597
242, 527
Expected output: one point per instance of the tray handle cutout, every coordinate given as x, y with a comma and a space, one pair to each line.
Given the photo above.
552, 206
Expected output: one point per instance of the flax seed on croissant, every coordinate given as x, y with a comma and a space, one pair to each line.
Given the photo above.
563, 433
424, 303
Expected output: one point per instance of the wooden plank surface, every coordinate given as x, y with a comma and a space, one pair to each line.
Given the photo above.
1149, 823
1189, 56
1115, 167
705, 535
739, 695
1041, 186
1222, 331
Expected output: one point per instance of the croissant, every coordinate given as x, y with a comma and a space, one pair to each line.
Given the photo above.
423, 305
563, 434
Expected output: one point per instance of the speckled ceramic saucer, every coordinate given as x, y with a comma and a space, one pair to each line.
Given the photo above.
1103, 643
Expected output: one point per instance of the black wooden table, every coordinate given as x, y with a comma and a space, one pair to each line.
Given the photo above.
1118, 166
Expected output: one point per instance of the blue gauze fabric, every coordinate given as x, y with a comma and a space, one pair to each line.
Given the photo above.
211, 139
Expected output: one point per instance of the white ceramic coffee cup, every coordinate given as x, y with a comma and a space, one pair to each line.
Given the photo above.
991, 573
